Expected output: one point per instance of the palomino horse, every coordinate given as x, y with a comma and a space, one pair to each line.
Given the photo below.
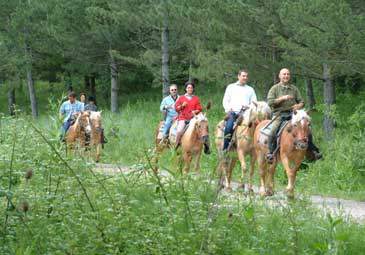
76, 134
293, 148
242, 137
195, 137
96, 134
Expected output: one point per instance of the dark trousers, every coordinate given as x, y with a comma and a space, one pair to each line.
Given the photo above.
228, 130
311, 145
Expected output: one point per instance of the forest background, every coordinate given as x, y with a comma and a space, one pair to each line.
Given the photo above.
126, 53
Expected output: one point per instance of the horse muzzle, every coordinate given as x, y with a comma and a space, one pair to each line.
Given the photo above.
205, 139
301, 144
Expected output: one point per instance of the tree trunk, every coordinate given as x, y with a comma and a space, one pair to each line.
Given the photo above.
165, 54
93, 86
30, 83
329, 99
11, 99
31, 90
114, 85
87, 84
310, 94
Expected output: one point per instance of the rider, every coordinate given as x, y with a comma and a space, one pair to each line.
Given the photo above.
83, 98
283, 98
237, 96
91, 106
187, 106
168, 108
69, 109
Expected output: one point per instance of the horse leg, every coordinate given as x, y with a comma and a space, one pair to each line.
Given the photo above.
97, 152
262, 171
291, 174
252, 170
241, 157
197, 161
187, 160
228, 169
270, 180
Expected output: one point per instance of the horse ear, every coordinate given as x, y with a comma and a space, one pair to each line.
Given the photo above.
209, 105
295, 112
255, 103
308, 112
101, 111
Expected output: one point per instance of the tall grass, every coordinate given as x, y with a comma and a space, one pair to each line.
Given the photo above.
137, 214
64, 207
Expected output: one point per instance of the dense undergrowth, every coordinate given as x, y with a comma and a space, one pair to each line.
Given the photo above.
51, 204
55, 205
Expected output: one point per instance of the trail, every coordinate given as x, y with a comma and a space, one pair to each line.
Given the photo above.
335, 206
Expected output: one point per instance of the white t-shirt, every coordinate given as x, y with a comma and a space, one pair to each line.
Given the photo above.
237, 95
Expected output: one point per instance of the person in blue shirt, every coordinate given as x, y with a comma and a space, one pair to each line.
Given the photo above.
167, 107
69, 109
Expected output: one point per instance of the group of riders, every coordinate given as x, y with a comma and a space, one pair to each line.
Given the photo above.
71, 109
283, 98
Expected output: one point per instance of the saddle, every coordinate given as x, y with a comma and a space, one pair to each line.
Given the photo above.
266, 130
173, 131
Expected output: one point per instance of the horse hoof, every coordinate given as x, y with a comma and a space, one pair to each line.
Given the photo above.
269, 193
262, 192
290, 194
228, 189
242, 186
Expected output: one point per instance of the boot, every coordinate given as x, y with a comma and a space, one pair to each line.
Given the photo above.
207, 149
270, 155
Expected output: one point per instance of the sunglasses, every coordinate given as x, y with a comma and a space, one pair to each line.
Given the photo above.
173, 89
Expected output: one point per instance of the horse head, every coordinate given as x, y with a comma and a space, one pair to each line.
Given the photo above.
95, 118
83, 121
261, 110
255, 113
299, 128
200, 123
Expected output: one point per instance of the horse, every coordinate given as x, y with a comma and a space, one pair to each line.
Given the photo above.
194, 138
96, 134
293, 144
242, 136
76, 134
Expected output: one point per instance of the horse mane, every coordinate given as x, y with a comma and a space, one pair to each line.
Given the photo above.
95, 115
199, 117
299, 115
257, 110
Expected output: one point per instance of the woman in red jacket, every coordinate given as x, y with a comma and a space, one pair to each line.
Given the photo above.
187, 106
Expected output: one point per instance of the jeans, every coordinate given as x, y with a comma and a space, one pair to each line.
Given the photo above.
228, 130
167, 125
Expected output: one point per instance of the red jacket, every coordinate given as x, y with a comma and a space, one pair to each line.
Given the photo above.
185, 113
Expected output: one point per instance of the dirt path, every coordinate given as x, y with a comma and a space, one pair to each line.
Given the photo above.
336, 206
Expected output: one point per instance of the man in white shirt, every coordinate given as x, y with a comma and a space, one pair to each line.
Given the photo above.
237, 96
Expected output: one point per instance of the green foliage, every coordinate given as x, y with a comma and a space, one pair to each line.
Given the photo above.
137, 214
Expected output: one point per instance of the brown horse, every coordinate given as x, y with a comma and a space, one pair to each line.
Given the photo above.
76, 134
195, 137
242, 136
293, 148
96, 134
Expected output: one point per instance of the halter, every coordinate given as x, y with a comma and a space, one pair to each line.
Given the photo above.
302, 118
198, 119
